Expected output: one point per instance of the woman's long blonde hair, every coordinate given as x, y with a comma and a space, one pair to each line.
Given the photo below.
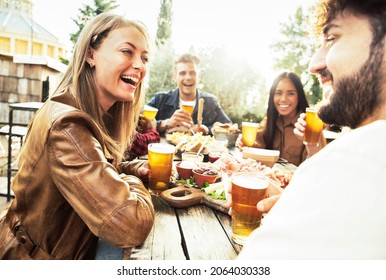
80, 81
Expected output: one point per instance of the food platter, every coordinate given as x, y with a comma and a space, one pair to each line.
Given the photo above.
185, 142
185, 193
181, 197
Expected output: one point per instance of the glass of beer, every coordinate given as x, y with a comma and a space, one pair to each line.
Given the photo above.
188, 106
149, 112
221, 137
160, 157
247, 190
249, 132
314, 127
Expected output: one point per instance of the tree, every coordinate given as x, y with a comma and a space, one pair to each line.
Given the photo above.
161, 74
164, 30
294, 52
238, 89
88, 12
161, 70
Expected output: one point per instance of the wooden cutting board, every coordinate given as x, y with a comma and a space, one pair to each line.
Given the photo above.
182, 197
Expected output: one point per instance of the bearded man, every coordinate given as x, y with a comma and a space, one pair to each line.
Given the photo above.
335, 205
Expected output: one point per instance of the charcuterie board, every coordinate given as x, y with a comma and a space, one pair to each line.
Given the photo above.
182, 197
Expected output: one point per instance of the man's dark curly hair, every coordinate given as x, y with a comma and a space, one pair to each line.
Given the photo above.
326, 11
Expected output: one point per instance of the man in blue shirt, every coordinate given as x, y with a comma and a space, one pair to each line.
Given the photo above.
171, 117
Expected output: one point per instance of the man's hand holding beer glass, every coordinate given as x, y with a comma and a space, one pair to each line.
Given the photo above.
181, 120
264, 206
299, 131
274, 192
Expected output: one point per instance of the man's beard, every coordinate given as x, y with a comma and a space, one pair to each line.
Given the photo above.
357, 97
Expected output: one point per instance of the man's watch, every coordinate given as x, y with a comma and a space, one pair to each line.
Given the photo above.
160, 122
166, 124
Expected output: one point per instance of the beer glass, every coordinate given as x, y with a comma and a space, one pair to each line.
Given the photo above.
247, 190
221, 137
188, 106
314, 127
249, 132
149, 112
160, 157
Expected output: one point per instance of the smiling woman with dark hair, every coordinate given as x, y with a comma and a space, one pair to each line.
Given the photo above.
287, 100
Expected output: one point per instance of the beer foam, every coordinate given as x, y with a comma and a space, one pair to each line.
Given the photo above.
149, 108
162, 148
188, 103
250, 182
250, 124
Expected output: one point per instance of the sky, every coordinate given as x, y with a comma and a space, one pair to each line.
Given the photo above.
246, 28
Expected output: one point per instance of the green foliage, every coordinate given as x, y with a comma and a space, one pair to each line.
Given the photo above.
241, 91
162, 67
294, 52
315, 91
164, 31
234, 82
88, 12
64, 60
161, 70
247, 117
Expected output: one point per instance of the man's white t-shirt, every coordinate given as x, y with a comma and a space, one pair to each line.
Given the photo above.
334, 207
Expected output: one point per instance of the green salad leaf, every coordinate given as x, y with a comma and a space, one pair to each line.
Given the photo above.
220, 196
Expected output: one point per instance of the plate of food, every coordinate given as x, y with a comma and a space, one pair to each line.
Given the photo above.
194, 143
205, 185
186, 193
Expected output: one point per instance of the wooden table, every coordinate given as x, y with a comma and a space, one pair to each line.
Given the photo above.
198, 232
193, 233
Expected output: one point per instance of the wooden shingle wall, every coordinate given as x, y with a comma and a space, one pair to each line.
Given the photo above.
22, 83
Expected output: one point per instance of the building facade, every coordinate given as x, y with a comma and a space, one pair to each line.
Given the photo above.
30, 66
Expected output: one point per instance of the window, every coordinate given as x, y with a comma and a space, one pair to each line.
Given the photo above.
5, 44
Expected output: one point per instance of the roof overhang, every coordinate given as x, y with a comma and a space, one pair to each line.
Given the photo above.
41, 60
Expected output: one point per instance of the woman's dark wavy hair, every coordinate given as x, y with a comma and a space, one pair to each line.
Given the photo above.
273, 114
375, 10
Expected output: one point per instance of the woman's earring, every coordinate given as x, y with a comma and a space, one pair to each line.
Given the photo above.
91, 65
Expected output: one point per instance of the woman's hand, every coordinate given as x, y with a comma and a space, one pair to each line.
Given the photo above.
146, 124
239, 142
300, 126
143, 171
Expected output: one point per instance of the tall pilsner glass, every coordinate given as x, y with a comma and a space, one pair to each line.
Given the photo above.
247, 190
160, 157
314, 127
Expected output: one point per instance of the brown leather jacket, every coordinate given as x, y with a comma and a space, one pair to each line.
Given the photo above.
67, 194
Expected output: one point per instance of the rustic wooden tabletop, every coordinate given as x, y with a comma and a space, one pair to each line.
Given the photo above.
194, 233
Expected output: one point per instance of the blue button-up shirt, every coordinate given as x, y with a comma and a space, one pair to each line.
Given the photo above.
168, 102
